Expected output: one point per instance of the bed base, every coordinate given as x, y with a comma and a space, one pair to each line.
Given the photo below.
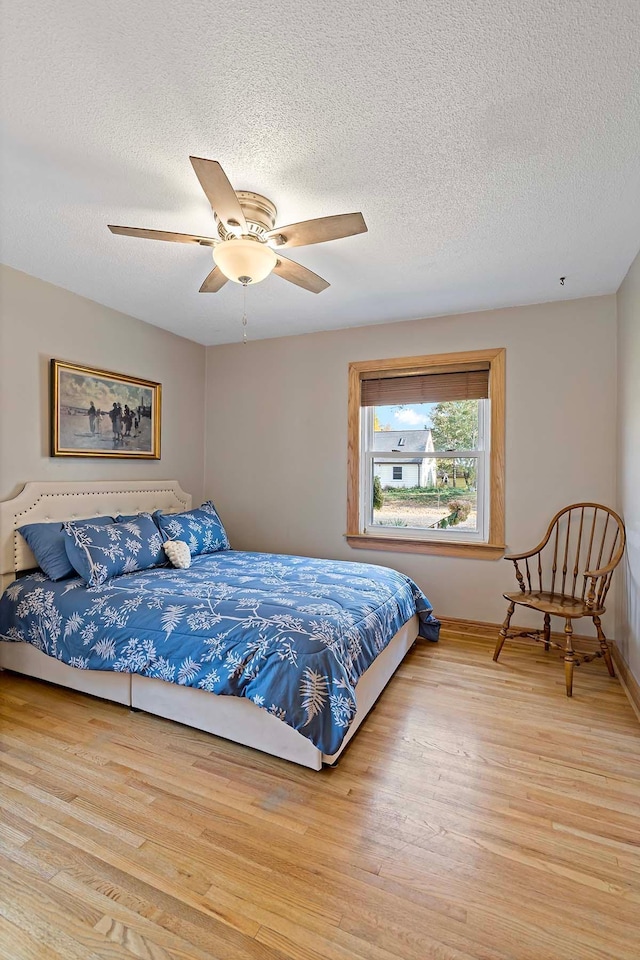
233, 718
27, 659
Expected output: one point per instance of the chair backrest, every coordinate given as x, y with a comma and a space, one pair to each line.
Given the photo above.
581, 549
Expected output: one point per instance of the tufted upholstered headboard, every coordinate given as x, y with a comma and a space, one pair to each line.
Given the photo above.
48, 501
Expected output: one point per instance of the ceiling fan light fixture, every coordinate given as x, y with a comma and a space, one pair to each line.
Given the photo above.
245, 223
244, 260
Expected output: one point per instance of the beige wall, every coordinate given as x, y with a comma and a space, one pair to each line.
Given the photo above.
277, 434
628, 611
275, 457
39, 321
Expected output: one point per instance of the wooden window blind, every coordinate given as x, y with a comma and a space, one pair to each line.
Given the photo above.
425, 388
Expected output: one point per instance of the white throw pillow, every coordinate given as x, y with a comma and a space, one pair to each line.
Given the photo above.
178, 553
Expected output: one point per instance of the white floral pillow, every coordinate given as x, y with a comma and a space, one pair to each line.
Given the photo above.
98, 552
202, 529
178, 553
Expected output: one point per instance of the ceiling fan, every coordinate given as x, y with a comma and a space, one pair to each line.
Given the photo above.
247, 248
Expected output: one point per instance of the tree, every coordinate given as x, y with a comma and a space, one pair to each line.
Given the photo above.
454, 426
378, 495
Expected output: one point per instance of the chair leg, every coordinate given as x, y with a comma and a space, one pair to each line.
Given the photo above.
604, 646
547, 631
504, 629
569, 657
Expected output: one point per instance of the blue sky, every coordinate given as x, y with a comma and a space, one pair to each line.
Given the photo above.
412, 416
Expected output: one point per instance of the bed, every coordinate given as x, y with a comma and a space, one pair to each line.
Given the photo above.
283, 654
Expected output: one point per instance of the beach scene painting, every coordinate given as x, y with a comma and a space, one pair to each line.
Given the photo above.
96, 413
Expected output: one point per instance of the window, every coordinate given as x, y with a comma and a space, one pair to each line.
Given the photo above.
443, 417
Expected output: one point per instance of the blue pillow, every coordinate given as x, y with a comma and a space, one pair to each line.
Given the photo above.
47, 544
202, 529
127, 517
98, 553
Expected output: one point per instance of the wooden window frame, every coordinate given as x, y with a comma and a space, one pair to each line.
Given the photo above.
494, 546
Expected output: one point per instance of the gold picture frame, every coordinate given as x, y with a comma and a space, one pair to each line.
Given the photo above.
99, 413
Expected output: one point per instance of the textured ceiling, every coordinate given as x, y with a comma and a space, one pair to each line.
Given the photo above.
492, 145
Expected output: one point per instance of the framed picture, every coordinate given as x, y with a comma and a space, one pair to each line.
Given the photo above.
96, 413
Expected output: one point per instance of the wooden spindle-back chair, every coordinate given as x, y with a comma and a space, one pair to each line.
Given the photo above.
568, 575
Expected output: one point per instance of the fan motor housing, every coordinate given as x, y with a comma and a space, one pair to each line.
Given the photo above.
260, 214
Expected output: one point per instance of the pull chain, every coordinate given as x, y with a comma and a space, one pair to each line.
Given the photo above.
244, 313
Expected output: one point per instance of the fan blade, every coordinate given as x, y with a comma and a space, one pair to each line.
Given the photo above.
214, 281
162, 235
301, 276
318, 231
220, 193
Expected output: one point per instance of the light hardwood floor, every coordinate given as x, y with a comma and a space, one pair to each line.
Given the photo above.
478, 814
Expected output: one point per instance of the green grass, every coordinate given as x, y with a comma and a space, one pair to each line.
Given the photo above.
428, 496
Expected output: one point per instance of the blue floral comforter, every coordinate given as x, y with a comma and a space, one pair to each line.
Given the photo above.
290, 633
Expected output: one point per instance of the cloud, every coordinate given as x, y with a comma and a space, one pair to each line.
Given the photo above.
413, 417
79, 390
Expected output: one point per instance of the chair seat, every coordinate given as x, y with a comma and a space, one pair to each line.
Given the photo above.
554, 603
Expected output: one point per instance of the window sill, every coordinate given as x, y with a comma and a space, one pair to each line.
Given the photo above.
479, 551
